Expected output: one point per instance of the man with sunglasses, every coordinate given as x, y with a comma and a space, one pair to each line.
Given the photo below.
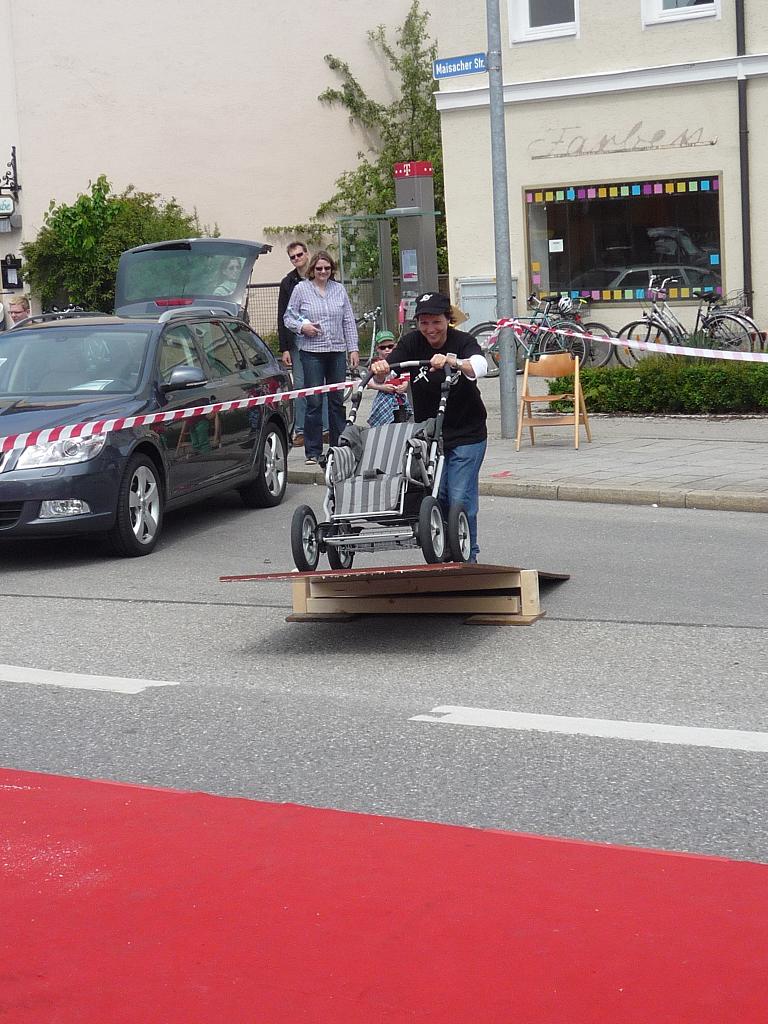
298, 254
465, 436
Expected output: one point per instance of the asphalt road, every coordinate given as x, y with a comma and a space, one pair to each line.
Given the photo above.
663, 621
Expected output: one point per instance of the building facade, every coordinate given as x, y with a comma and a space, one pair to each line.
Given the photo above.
627, 143
213, 105
627, 148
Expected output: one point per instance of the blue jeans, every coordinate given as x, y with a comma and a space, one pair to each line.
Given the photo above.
301, 403
459, 485
323, 368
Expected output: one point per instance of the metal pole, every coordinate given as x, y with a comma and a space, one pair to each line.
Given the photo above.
746, 214
504, 296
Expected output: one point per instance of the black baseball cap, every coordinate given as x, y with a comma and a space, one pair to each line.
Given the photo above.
433, 302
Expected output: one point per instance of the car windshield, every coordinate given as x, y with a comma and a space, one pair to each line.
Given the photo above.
176, 273
59, 360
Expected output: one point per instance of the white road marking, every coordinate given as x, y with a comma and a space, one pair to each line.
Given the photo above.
644, 732
73, 681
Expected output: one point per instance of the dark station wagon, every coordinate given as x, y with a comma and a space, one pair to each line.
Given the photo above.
175, 351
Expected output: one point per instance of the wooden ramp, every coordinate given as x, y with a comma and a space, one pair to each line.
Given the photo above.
494, 594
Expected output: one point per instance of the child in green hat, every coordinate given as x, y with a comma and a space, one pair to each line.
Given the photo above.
391, 404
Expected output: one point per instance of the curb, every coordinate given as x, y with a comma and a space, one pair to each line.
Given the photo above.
720, 501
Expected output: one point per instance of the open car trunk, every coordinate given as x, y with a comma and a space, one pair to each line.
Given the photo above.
211, 272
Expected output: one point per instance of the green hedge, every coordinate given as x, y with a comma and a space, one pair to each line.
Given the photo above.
675, 385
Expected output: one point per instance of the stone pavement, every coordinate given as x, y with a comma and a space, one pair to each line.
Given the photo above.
714, 462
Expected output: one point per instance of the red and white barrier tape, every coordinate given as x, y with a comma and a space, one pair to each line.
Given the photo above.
16, 441
521, 326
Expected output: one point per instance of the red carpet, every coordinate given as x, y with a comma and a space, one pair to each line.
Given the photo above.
125, 905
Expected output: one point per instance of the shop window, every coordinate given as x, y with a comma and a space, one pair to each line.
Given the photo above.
602, 242
656, 12
542, 19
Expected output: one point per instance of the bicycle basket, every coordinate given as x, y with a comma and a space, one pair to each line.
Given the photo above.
736, 301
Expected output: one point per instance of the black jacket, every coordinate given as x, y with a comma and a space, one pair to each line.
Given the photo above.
465, 413
289, 282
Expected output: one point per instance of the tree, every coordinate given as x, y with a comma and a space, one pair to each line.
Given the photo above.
74, 257
405, 130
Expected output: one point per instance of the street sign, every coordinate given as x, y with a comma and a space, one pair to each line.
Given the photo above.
450, 67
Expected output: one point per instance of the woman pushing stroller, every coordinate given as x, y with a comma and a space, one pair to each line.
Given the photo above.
464, 427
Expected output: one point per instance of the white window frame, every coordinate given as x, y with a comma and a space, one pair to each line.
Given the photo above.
653, 12
520, 30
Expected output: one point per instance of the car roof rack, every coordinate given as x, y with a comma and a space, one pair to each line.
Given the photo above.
60, 314
182, 311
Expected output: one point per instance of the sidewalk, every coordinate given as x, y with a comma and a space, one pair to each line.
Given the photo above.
673, 461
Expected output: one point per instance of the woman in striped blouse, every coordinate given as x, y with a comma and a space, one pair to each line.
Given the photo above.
321, 315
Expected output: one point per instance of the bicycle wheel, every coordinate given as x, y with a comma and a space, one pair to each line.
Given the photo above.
727, 332
599, 352
757, 336
640, 330
574, 341
526, 344
482, 335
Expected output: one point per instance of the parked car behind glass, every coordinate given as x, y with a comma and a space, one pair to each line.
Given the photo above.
637, 276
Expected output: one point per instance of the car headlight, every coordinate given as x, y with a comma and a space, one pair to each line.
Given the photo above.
61, 453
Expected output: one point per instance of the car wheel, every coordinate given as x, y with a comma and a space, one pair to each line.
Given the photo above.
139, 519
268, 489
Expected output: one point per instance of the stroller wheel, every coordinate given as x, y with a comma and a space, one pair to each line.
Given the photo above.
431, 530
340, 558
459, 542
305, 546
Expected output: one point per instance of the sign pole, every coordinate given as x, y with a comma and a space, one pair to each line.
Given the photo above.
504, 293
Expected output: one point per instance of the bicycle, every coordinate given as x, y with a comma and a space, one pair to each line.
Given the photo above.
714, 327
736, 303
69, 313
598, 353
370, 318
538, 334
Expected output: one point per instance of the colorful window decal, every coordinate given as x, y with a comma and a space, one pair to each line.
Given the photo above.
630, 294
623, 190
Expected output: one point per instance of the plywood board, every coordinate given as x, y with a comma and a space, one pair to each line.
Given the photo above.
397, 604
367, 587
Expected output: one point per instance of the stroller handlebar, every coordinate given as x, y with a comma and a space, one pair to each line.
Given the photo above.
408, 362
361, 384
366, 375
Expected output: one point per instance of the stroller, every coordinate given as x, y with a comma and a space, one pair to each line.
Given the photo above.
382, 486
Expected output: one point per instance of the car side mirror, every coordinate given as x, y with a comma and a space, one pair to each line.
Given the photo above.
184, 377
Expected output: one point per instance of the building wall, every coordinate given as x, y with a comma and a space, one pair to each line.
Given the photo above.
213, 104
9, 128
218, 108
562, 128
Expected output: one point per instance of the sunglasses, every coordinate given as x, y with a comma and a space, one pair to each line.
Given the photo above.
386, 348
322, 270
296, 255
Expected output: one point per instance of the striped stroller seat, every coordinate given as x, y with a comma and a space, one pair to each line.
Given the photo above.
376, 484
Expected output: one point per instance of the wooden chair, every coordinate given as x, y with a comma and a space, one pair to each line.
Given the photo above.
556, 364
